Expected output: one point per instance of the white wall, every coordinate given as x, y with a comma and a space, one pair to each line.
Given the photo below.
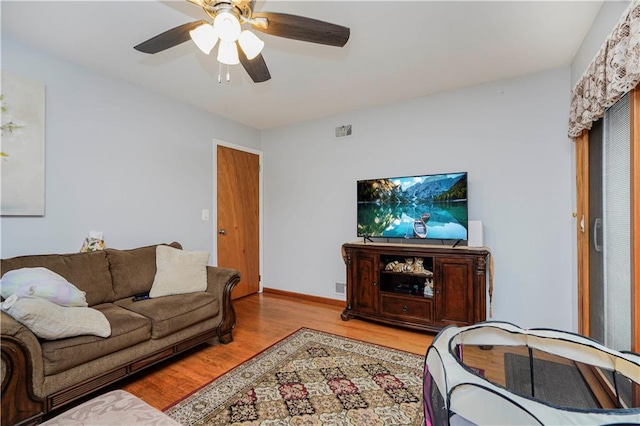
510, 137
119, 159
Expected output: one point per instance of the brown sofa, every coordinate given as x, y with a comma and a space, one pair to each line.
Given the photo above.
39, 376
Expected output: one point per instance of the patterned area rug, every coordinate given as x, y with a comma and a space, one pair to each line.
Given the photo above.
312, 378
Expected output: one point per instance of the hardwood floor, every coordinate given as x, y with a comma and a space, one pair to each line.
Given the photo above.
262, 320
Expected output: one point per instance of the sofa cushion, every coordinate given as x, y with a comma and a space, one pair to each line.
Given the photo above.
173, 313
89, 272
133, 270
127, 329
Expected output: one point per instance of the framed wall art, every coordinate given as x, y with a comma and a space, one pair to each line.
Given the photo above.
22, 146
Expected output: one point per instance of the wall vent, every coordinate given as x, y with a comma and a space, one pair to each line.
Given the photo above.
344, 131
341, 288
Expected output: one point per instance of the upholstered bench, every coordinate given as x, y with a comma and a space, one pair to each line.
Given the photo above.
113, 408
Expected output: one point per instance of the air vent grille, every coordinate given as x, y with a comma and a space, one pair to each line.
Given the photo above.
344, 131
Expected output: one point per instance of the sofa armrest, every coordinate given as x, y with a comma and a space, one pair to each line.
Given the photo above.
22, 372
220, 282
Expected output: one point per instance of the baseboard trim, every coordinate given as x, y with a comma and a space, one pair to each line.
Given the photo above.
307, 297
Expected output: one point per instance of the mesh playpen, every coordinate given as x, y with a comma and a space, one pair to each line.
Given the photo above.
495, 373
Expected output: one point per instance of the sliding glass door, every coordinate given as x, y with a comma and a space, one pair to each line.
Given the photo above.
608, 225
608, 213
610, 252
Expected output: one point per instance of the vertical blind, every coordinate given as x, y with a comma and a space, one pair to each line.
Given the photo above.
617, 224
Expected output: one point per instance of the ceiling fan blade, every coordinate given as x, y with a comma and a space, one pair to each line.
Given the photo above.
169, 38
301, 28
256, 67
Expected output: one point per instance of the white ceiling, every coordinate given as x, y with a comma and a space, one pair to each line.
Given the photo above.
397, 50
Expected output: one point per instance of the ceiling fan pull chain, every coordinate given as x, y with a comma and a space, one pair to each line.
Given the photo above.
219, 72
228, 74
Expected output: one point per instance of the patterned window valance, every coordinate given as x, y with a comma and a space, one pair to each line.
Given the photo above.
614, 72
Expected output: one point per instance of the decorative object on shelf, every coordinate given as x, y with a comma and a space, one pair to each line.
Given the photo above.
22, 165
408, 265
411, 265
428, 291
418, 267
428, 287
391, 265
399, 267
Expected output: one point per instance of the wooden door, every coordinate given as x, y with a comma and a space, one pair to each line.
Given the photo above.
238, 217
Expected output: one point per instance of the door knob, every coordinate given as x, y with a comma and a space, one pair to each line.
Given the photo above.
222, 232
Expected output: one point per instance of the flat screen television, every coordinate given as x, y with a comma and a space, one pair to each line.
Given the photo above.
425, 206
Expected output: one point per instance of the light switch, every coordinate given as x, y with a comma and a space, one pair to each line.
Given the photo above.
205, 214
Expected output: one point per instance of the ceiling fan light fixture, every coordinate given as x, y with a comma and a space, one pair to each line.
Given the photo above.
250, 43
205, 37
228, 53
228, 26
226, 18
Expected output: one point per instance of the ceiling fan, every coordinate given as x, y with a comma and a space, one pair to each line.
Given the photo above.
243, 46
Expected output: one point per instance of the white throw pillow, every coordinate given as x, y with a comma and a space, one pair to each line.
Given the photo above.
41, 283
179, 271
50, 321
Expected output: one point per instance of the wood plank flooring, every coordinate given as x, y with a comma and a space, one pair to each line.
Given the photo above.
262, 320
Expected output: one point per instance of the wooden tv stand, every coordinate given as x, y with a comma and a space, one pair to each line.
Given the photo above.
381, 290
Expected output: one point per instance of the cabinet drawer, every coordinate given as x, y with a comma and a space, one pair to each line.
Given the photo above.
407, 307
